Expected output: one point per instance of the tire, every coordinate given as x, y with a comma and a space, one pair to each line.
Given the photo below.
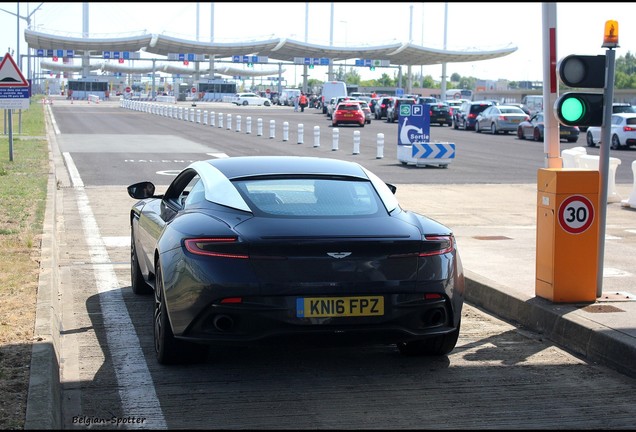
493, 129
589, 139
536, 135
245, 103
138, 283
520, 133
168, 349
362, 124
267, 103
435, 346
477, 128
455, 125
615, 143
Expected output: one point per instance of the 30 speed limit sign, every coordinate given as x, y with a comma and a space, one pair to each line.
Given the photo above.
576, 214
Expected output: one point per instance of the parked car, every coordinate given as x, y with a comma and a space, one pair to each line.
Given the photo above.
622, 132
368, 115
259, 248
393, 111
454, 104
500, 118
533, 129
381, 107
522, 106
465, 117
333, 103
349, 112
373, 103
617, 107
440, 113
250, 99
421, 100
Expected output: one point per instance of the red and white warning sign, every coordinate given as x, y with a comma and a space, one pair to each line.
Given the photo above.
14, 88
576, 214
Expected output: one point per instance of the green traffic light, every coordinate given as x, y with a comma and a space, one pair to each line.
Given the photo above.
572, 109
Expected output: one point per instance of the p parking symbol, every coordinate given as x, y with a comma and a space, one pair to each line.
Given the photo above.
417, 110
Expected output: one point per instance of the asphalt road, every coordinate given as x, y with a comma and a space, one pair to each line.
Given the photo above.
499, 376
480, 157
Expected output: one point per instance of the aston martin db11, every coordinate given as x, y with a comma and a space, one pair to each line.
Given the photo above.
268, 249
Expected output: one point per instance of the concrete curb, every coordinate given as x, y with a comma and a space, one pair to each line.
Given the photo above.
44, 397
563, 324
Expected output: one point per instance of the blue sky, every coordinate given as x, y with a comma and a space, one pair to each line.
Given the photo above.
469, 26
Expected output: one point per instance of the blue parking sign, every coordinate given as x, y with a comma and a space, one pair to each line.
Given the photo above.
414, 124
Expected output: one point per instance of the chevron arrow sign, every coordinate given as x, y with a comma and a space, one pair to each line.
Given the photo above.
433, 151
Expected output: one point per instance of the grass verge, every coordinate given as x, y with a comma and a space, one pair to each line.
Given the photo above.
24, 169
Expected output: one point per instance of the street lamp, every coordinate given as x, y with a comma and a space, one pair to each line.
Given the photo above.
346, 23
28, 20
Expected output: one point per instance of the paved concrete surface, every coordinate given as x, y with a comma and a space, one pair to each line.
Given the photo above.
495, 227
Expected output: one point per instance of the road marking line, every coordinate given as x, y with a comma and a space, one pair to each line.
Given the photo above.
136, 387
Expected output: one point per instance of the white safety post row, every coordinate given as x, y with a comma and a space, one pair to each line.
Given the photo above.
198, 116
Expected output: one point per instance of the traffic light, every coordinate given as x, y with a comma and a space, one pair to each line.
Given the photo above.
577, 108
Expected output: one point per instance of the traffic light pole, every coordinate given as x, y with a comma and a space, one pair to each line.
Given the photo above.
604, 157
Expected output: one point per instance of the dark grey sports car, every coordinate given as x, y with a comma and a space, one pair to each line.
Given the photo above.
268, 249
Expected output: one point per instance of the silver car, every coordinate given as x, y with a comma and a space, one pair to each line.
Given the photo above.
500, 118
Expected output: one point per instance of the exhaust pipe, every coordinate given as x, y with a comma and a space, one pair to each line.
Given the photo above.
223, 323
434, 317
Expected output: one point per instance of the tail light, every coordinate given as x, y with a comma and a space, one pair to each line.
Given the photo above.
628, 129
437, 245
220, 247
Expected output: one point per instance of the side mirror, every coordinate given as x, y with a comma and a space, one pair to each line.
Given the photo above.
141, 190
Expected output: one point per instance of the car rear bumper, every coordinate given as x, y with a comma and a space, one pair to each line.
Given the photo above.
406, 317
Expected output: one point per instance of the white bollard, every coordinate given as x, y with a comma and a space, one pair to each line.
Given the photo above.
272, 129
205, 117
259, 127
285, 131
316, 136
380, 146
199, 116
335, 138
180, 113
229, 121
301, 133
238, 123
571, 157
212, 118
592, 162
221, 120
248, 125
192, 115
631, 201
356, 142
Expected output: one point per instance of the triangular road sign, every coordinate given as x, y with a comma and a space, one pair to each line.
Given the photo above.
10, 75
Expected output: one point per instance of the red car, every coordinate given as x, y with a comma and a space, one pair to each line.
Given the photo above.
348, 113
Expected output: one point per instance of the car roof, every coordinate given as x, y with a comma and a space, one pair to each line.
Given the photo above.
245, 166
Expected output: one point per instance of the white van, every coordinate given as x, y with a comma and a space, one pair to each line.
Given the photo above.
331, 89
287, 96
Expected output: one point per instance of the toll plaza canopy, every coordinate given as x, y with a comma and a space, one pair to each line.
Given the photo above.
281, 49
